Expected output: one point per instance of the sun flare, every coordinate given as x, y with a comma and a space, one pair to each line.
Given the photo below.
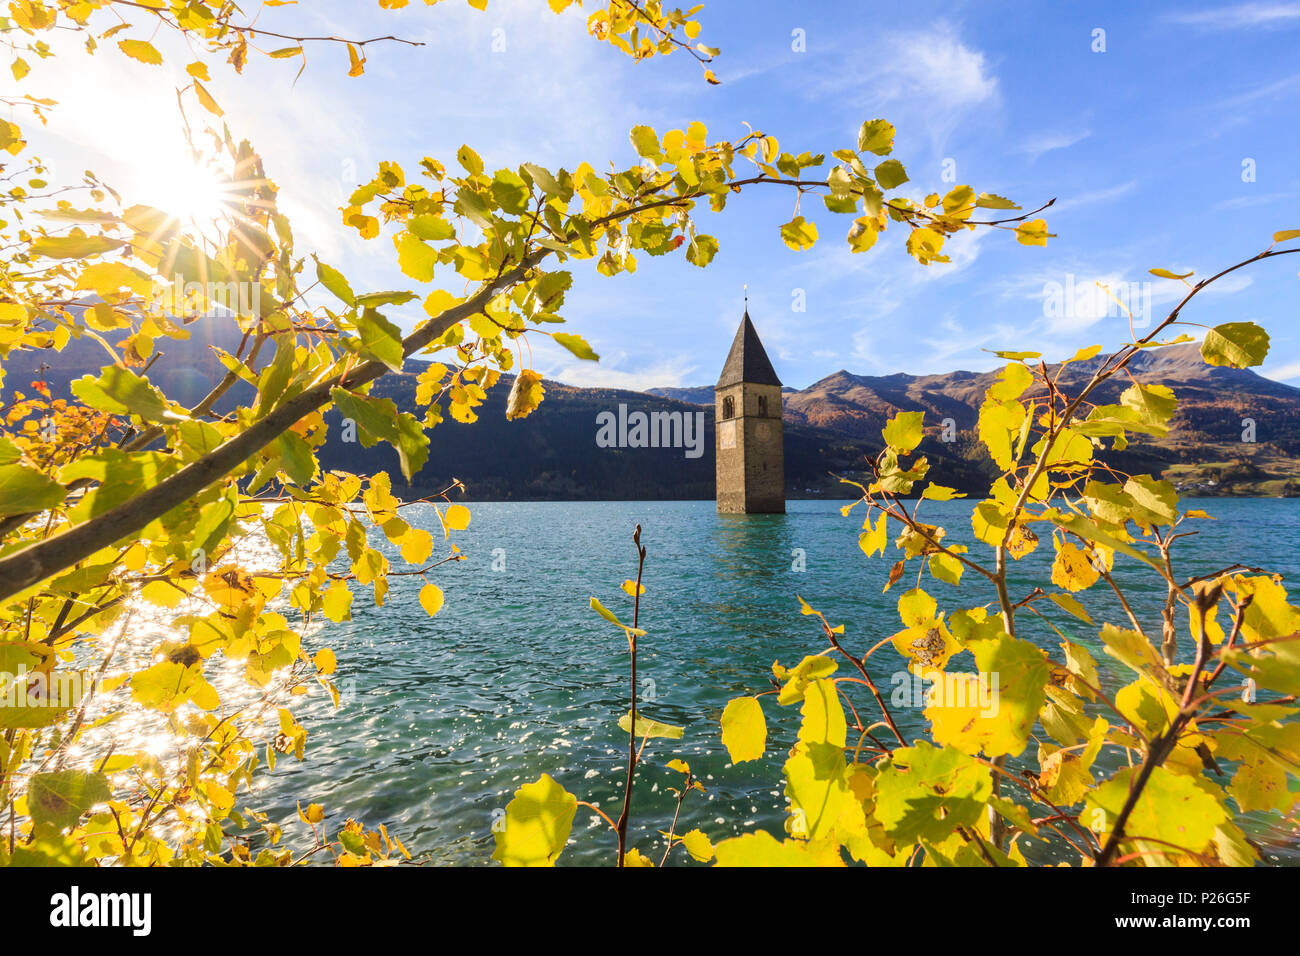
194, 192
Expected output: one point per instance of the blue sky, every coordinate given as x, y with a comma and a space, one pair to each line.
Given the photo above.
1142, 145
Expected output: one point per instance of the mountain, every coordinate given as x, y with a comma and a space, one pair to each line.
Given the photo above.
1204, 452
832, 427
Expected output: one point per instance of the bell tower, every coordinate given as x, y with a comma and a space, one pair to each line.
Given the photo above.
750, 442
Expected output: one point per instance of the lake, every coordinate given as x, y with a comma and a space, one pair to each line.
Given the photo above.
445, 717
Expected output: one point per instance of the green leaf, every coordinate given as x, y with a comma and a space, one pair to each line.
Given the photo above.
380, 339
1155, 502
378, 419
891, 173
994, 201
799, 234
24, 490
702, 250
9, 452
923, 791
1071, 604
416, 259
646, 142
510, 192
1154, 404
903, 432
577, 345
1087, 529
430, 228
61, 798
999, 717
645, 727
470, 160
376, 300
1131, 648
536, 826
544, 180
1237, 344
1171, 807
120, 476
120, 391
876, 136
744, 729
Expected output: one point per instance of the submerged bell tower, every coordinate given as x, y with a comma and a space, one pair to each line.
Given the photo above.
750, 442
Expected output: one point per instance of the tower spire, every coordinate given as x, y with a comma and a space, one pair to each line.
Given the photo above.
747, 361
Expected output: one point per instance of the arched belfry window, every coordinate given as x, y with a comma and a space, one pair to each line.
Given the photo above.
728, 407
762, 405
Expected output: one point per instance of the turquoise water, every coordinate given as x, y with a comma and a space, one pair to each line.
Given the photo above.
516, 676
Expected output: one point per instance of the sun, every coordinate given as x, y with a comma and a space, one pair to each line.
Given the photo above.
194, 192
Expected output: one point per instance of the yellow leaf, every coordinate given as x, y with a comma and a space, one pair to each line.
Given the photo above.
799, 234
325, 661
457, 517
431, 599
1033, 233
525, 395
337, 602
1072, 605
645, 727
876, 538
744, 729
206, 100
357, 62
141, 50
1073, 569
417, 545
536, 825
698, 845
760, 848
632, 588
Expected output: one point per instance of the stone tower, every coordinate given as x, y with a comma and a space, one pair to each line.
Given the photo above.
750, 449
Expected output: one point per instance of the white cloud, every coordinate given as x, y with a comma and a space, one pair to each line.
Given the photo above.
612, 371
1071, 298
1094, 198
935, 65
1241, 16
928, 79
1258, 199
1047, 142
1281, 373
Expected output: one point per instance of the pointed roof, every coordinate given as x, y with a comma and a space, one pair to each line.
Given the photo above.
747, 361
